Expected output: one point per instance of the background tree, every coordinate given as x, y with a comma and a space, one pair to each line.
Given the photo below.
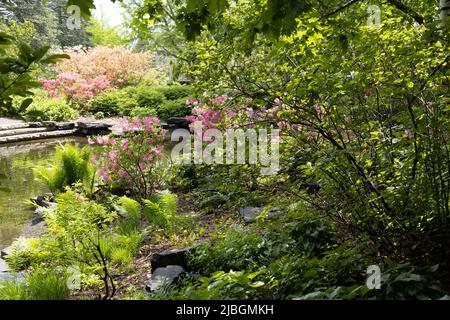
37, 12
69, 37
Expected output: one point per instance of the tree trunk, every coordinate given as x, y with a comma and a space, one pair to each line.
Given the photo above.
444, 10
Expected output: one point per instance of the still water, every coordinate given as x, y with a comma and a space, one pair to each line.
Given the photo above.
18, 183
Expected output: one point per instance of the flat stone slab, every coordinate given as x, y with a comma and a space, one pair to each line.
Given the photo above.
37, 136
93, 128
175, 257
65, 125
167, 275
15, 132
251, 213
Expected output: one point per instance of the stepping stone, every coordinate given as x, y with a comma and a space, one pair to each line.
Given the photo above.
14, 126
65, 125
176, 257
36, 136
16, 132
251, 213
93, 128
49, 124
167, 275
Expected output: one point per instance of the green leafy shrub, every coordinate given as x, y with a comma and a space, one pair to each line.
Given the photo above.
238, 249
312, 234
174, 108
147, 97
233, 285
45, 109
113, 102
70, 165
143, 112
175, 91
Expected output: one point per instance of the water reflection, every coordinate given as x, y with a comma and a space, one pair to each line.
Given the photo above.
16, 169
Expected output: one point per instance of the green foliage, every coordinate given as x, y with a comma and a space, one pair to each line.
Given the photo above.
45, 109
143, 112
71, 165
176, 91
160, 210
234, 285
113, 102
238, 249
39, 14
174, 108
41, 284
16, 78
147, 97
312, 234
130, 212
103, 35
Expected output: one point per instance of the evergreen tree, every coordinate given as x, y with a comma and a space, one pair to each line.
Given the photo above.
37, 12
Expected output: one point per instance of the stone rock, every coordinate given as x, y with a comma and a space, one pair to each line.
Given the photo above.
176, 257
251, 213
93, 128
43, 200
38, 218
3, 266
5, 252
13, 276
170, 274
49, 124
178, 122
65, 125
36, 125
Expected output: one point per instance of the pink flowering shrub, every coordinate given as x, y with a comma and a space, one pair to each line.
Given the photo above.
216, 112
89, 72
131, 159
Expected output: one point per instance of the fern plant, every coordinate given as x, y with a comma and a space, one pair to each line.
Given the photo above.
160, 209
70, 165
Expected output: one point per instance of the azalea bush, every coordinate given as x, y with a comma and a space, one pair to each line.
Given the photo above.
88, 72
132, 160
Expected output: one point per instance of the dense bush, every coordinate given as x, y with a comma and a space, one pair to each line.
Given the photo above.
147, 97
113, 102
142, 101
174, 108
45, 109
142, 112
91, 71
175, 91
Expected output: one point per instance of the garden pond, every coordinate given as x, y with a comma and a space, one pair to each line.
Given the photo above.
18, 183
